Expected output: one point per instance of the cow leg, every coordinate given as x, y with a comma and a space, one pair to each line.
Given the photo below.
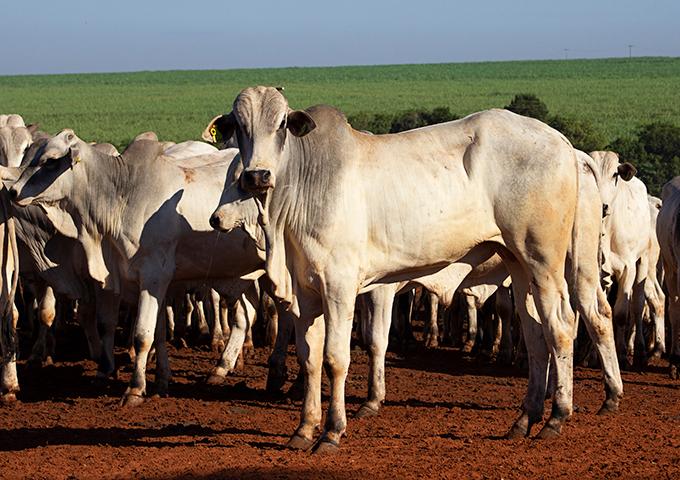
108, 304
272, 315
538, 359
377, 331
596, 313
202, 324
672, 277
432, 327
217, 337
558, 323
9, 380
309, 344
170, 315
339, 302
657, 301
505, 312
162, 379
622, 314
88, 321
636, 308
43, 348
471, 308
243, 318
278, 371
150, 300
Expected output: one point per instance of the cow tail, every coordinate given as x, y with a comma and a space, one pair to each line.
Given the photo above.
573, 277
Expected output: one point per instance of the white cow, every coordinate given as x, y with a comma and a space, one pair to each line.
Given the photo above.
15, 138
654, 295
668, 233
142, 219
627, 234
343, 211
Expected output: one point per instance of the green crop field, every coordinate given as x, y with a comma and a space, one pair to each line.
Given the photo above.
617, 95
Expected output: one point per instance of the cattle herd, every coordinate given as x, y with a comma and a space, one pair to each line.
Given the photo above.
300, 215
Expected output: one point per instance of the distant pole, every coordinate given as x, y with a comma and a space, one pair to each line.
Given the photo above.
630, 51
566, 54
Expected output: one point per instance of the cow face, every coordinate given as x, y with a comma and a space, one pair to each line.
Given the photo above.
612, 172
237, 209
261, 120
14, 141
49, 175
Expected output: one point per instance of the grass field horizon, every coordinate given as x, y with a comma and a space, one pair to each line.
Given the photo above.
615, 94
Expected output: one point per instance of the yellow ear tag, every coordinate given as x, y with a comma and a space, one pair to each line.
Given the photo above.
77, 159
215, 134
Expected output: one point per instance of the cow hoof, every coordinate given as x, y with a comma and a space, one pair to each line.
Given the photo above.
516, 432
608, 407
48, 361
467, 348
131, 400
218, 346
365, 412
214, 379
431, 342
548, 432
326, 447
674, 372
658, 352
298, 442
8, 398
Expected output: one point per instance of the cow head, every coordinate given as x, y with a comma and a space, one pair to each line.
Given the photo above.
14, 141
49, 175
237, 208
261, 120
611, 173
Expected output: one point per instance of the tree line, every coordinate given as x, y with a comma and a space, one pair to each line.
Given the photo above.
654, 148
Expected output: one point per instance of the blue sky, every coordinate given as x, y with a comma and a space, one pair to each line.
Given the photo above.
52, 36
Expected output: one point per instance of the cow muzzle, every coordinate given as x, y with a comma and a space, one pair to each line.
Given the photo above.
257, 180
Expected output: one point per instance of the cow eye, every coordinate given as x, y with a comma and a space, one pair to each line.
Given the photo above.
283, 124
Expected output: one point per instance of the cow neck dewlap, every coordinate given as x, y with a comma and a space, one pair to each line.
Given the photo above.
107, 185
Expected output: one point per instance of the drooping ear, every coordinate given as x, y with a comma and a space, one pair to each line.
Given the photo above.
220, 129
300, 123
626, 171
32, 128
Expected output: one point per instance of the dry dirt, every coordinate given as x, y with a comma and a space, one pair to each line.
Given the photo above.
445, 417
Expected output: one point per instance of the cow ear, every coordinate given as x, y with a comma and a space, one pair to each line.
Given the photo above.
626, 171
300, 123
32, 128
75, 155
220, 129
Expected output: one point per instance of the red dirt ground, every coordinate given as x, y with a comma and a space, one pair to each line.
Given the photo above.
444, 417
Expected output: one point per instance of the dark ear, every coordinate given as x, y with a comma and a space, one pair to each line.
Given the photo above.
300, 123
220, 129
32, 128
626, 171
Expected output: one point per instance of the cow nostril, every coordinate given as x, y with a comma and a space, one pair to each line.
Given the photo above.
266, 176
214, 222
13, 194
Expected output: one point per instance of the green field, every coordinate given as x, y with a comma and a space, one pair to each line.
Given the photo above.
617, 95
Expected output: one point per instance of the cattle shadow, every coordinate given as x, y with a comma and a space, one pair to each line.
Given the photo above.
452, 361
18, 439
